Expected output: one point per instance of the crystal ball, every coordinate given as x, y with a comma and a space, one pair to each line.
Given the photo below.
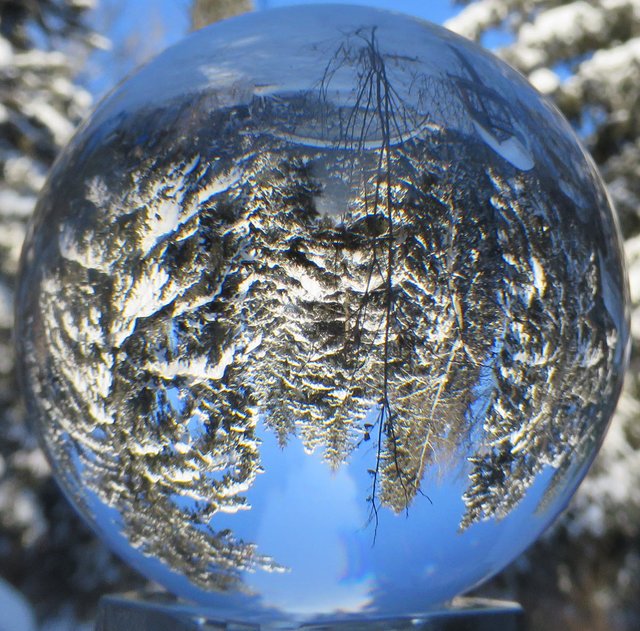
322, 313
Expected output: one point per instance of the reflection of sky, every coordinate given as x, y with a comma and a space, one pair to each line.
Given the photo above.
311, 522
435, 10
156, 24
316, 522
153, 25
137, 30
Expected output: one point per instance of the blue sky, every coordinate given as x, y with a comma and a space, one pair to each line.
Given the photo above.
434, 10
139, 29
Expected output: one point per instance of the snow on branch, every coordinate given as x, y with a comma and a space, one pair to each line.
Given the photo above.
610, 79
571, 31
479, 16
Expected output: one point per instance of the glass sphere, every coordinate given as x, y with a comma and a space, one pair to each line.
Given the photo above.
322, 313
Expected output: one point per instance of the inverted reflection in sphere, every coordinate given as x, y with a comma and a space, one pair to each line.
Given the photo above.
322, 312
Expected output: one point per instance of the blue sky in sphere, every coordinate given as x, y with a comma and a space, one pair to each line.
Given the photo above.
140, 29
435, 10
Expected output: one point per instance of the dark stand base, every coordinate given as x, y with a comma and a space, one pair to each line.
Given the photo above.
132, 613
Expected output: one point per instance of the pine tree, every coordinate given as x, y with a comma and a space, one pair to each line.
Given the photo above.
585, 56
44, 549
144, 394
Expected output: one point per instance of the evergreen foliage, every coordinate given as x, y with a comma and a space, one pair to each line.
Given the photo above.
44, 549
586, 57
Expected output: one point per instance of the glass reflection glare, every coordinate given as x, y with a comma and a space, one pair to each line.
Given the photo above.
322, 312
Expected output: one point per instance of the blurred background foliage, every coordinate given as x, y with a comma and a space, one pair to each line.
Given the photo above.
55, 56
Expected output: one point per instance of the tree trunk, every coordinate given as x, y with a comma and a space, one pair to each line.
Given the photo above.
208, 11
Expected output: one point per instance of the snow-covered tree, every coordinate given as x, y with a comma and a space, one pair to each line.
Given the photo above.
44, 549
586, 57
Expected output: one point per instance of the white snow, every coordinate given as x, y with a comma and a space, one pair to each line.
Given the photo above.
613, 65
196, 368
182, 475
20, 169
45, 113
568, 23
231, 509
163, 218
33, 462
477, 17
545, 80
182, 448
615, 483
145, 297
253, 344
6, 53
236, 67
82, 5
146, 449
219, 184
512, 149
97, 191
40, 59
6, 307
88, 254
17, 204
310, 288
632, 255
539, 277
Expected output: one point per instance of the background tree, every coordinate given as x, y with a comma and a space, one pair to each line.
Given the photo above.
44, 549
586, 57
208, 11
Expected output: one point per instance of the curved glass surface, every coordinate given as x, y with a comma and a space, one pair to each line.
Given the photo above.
322, 313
